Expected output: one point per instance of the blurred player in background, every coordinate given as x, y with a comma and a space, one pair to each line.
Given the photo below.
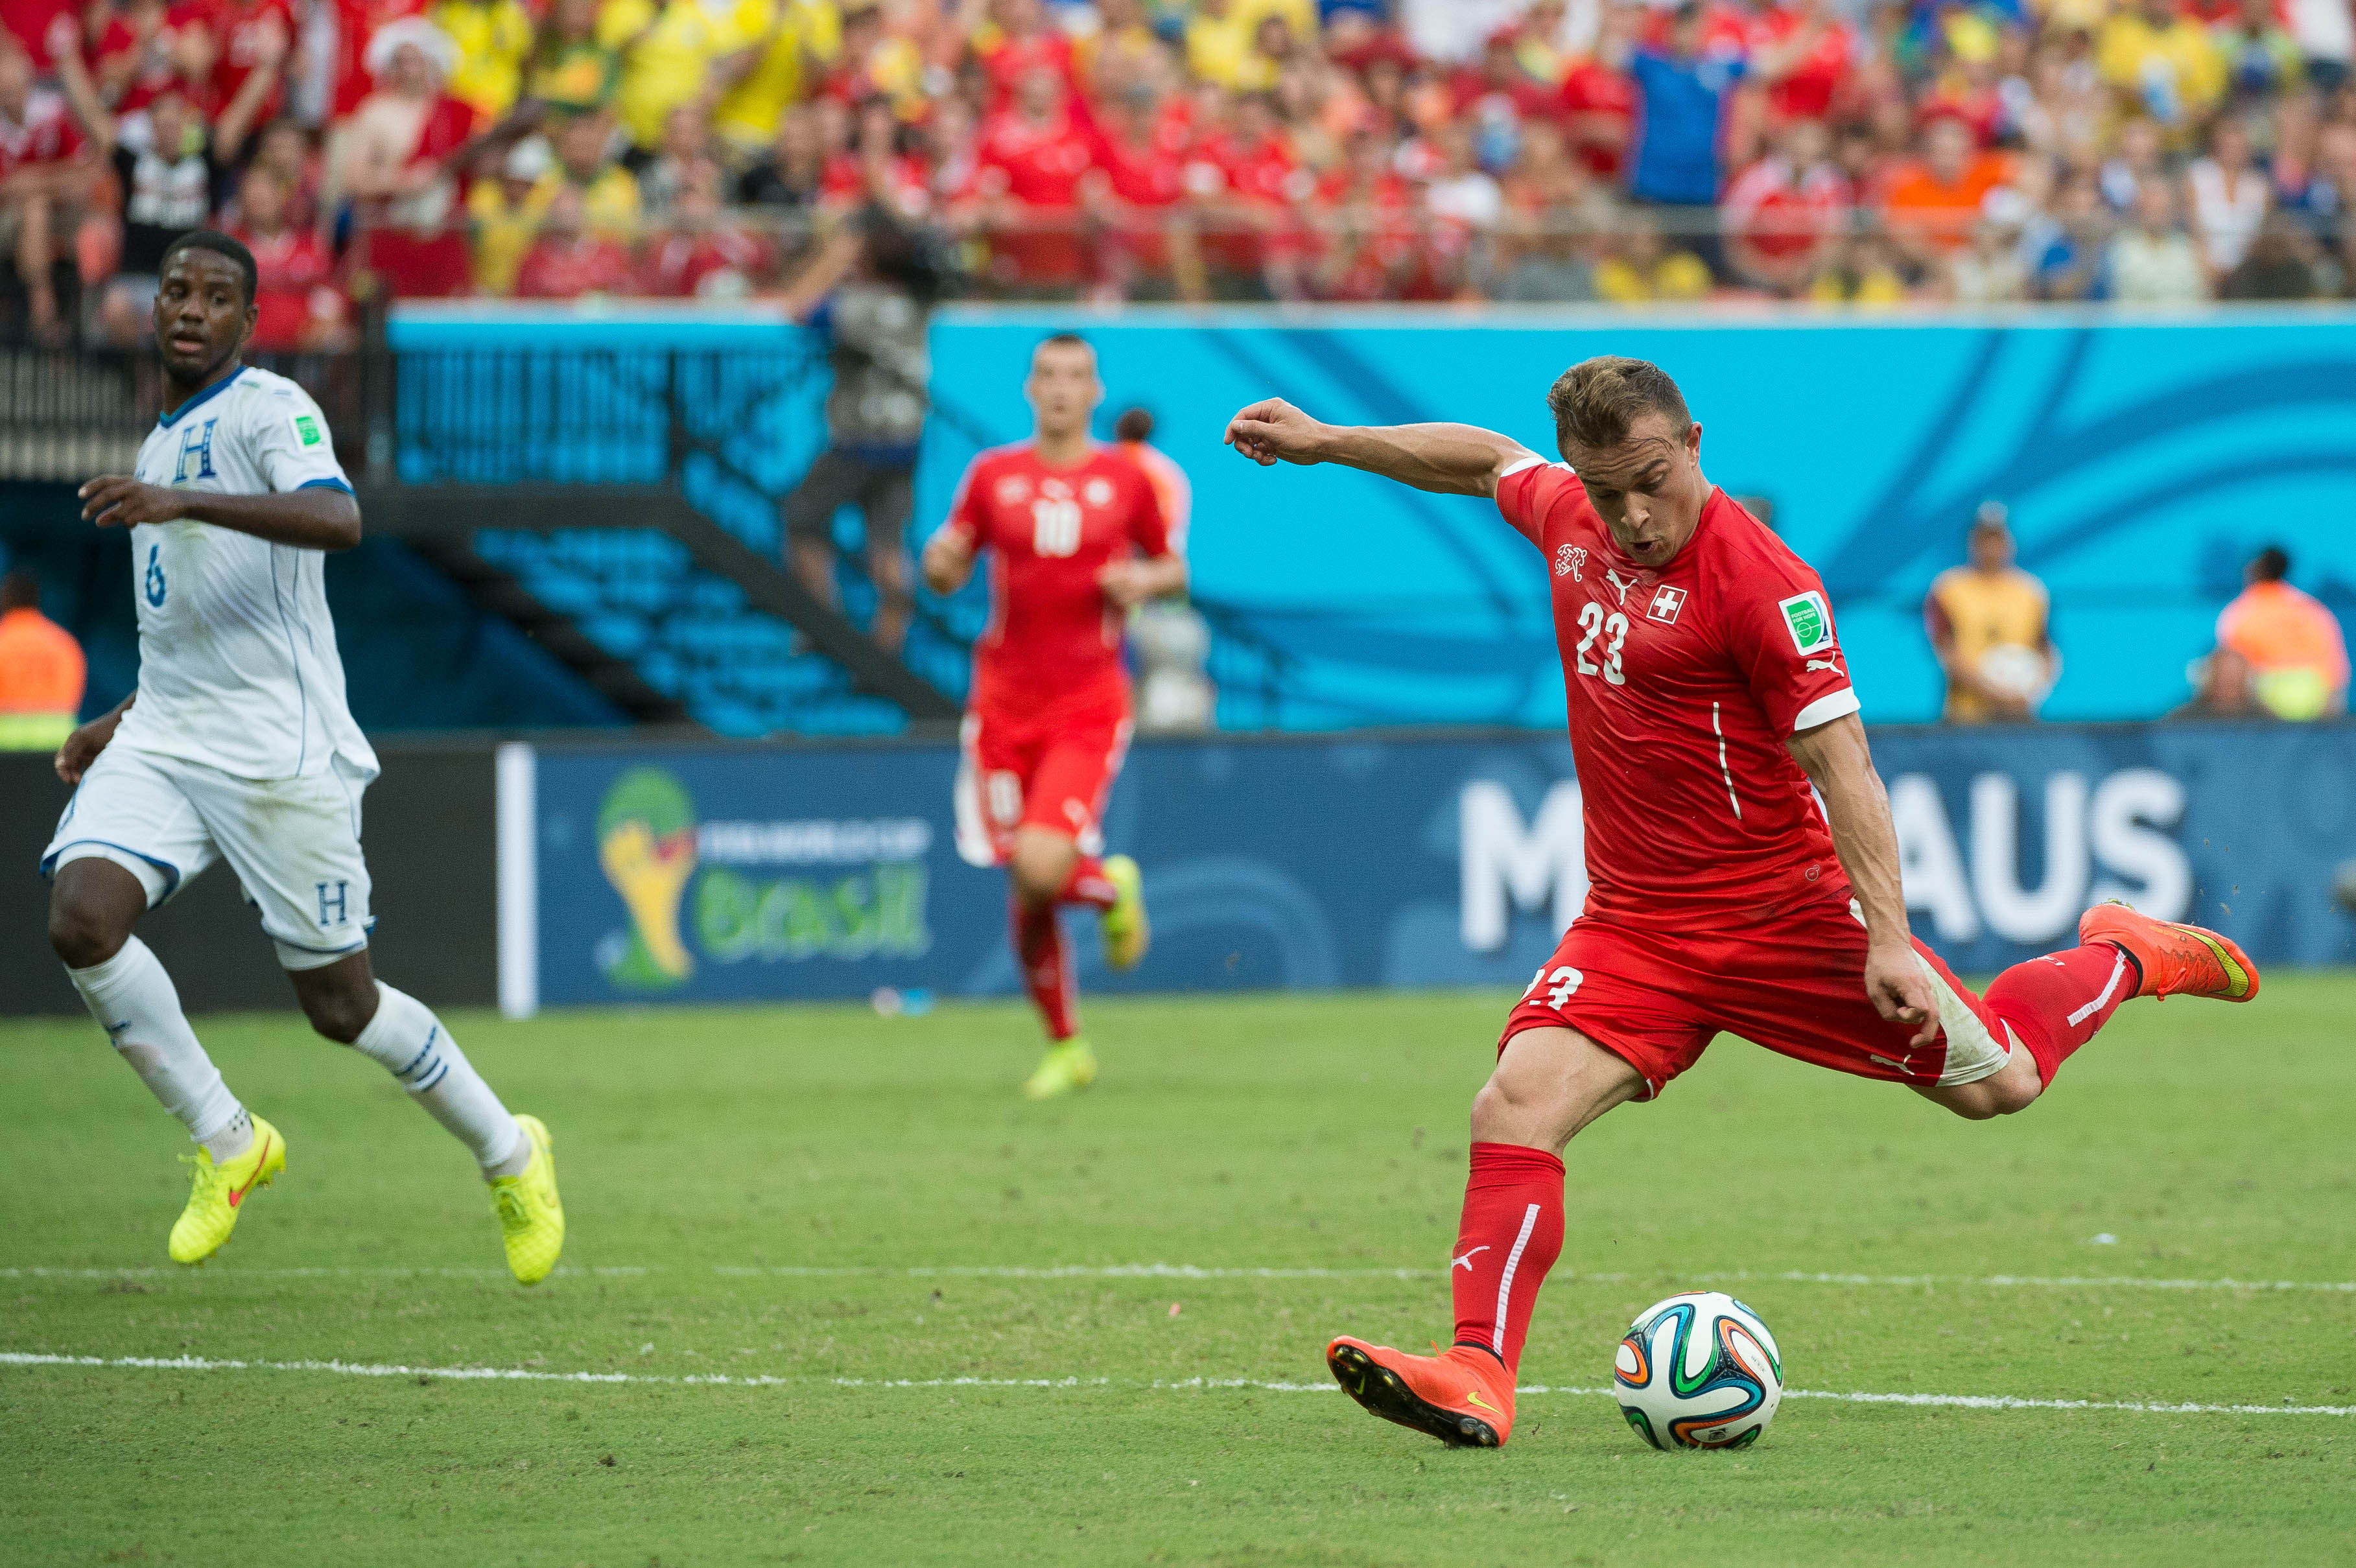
1989, 624
1077, 537
1706, 694
236, 746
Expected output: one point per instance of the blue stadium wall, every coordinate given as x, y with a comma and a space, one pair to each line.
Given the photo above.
2144, 460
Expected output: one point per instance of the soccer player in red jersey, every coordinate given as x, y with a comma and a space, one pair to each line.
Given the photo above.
1707, 693
1076, 535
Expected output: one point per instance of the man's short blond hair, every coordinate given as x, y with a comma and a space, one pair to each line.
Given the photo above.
1597, 399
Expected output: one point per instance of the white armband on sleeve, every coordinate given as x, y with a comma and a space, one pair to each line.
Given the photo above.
1826, 708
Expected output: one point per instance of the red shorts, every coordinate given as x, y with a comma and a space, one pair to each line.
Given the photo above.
1051, 772
1657, 997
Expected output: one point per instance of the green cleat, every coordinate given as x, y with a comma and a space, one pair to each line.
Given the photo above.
1068, 1065
1126, 934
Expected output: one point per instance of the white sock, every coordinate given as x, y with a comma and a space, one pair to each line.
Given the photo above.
231, 1140
137, 1004
412, 1044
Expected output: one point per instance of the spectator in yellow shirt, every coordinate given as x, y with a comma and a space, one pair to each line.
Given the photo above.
2165, 61
676, 52
1987, 621
493, 39
798, 39
569, 70
1220, 34
507, 211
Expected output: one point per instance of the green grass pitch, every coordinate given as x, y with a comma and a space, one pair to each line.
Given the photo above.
862, 1212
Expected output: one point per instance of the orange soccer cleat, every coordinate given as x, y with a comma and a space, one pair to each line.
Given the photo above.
1463, 1397
2176, 960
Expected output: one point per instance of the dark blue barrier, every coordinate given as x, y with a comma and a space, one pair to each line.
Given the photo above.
1395, 861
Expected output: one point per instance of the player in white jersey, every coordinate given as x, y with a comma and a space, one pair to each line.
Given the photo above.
236, 746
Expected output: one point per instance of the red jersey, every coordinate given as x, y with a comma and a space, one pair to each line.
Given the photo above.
1053, 638
1037, 165
1684, 682
45, 135
293, 287
1593, 89
239, 29
1808, 92
45, 28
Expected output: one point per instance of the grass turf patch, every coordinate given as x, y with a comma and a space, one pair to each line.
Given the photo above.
806, 1195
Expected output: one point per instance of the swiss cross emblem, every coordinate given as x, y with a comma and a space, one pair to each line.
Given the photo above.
1568, 560
1666, 605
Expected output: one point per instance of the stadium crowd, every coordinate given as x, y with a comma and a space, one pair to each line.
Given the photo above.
1841, 151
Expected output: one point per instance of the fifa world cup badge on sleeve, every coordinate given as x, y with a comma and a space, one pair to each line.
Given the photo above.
1810, 624
307, 430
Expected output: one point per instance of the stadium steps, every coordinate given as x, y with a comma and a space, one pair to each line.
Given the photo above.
500, 592
647, 579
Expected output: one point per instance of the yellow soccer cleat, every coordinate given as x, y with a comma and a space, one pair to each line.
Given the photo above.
1126, 935
1068, 1065
220, 1189
531, 1215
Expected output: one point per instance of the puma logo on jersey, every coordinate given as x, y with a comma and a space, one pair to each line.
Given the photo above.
1824, 664
1465, 1262
1622, 584
1568, 560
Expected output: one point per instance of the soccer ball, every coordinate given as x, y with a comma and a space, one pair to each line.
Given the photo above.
1698, 1370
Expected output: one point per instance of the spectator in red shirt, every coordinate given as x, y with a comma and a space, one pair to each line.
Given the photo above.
249, 41
44, 179
1783, 212
1370, 247
137, 54
704, 255
1023, 40
565, 263
1500, 81
1599, 100
405, 157
1252, 187
297, 304
874, 167
1028, 181
1805, 57
1138, 193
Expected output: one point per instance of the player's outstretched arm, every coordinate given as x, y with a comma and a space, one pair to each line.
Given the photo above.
319, 517
1450, 459
1837, 761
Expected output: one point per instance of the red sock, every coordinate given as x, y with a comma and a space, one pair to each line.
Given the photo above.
1046, 967
1509, 1237
1086, 885
2055, 1004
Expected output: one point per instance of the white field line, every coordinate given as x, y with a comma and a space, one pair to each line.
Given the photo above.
530, 1374
1193, 1272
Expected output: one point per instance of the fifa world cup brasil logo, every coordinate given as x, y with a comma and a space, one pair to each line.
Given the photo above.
646, 842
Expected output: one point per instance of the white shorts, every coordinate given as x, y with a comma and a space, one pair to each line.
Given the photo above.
294, 844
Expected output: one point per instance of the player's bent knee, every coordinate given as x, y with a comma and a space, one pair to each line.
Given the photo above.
81, 935
90, 922
340, 1014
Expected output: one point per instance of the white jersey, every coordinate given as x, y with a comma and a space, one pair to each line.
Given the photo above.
238, 666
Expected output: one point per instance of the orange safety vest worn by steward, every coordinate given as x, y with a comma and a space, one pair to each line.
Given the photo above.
41, 674
2298, 658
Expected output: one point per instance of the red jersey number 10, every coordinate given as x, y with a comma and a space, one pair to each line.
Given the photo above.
1054, 527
